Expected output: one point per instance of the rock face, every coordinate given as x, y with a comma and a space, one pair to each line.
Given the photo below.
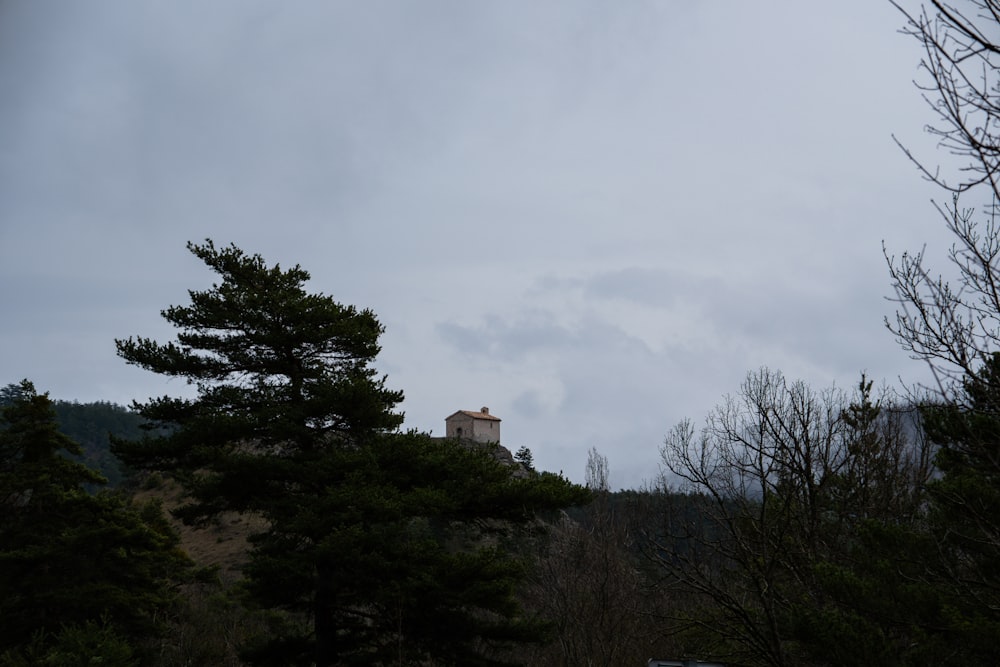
503, 455
499, 452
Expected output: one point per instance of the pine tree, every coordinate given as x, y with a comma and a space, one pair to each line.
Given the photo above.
965, 509
375, 536
524, 456
69, 557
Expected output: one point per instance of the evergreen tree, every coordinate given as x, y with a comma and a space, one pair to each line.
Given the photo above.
525, 458
377, 537
965, 507
68, 557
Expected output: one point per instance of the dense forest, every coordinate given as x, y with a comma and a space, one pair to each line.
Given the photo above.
91, 425
800, 527
282, 516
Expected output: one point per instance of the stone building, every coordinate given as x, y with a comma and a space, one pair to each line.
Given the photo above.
476, 426
482, 430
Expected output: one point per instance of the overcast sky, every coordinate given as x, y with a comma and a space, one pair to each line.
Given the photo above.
592, 217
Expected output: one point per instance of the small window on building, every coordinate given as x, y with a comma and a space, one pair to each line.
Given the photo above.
458, 432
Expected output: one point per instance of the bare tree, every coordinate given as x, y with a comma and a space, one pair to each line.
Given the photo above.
953, 325
961, 54
588, 585
768, 488
597, 472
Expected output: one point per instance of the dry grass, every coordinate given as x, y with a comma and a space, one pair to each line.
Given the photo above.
222, 543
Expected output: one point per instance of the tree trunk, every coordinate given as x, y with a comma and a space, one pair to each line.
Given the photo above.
323, 623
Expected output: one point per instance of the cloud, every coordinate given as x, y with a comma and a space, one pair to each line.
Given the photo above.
593, 217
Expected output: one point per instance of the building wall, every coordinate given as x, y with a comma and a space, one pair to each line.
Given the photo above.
459, 426
485, 430
467, 426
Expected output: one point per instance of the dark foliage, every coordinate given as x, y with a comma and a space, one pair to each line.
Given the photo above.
92, 425
382, 547
69, 557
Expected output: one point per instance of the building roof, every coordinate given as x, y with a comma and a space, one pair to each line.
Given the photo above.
475, 414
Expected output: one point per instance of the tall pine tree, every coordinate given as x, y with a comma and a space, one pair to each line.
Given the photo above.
389, 543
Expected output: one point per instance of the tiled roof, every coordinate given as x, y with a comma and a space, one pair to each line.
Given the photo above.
475, 414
